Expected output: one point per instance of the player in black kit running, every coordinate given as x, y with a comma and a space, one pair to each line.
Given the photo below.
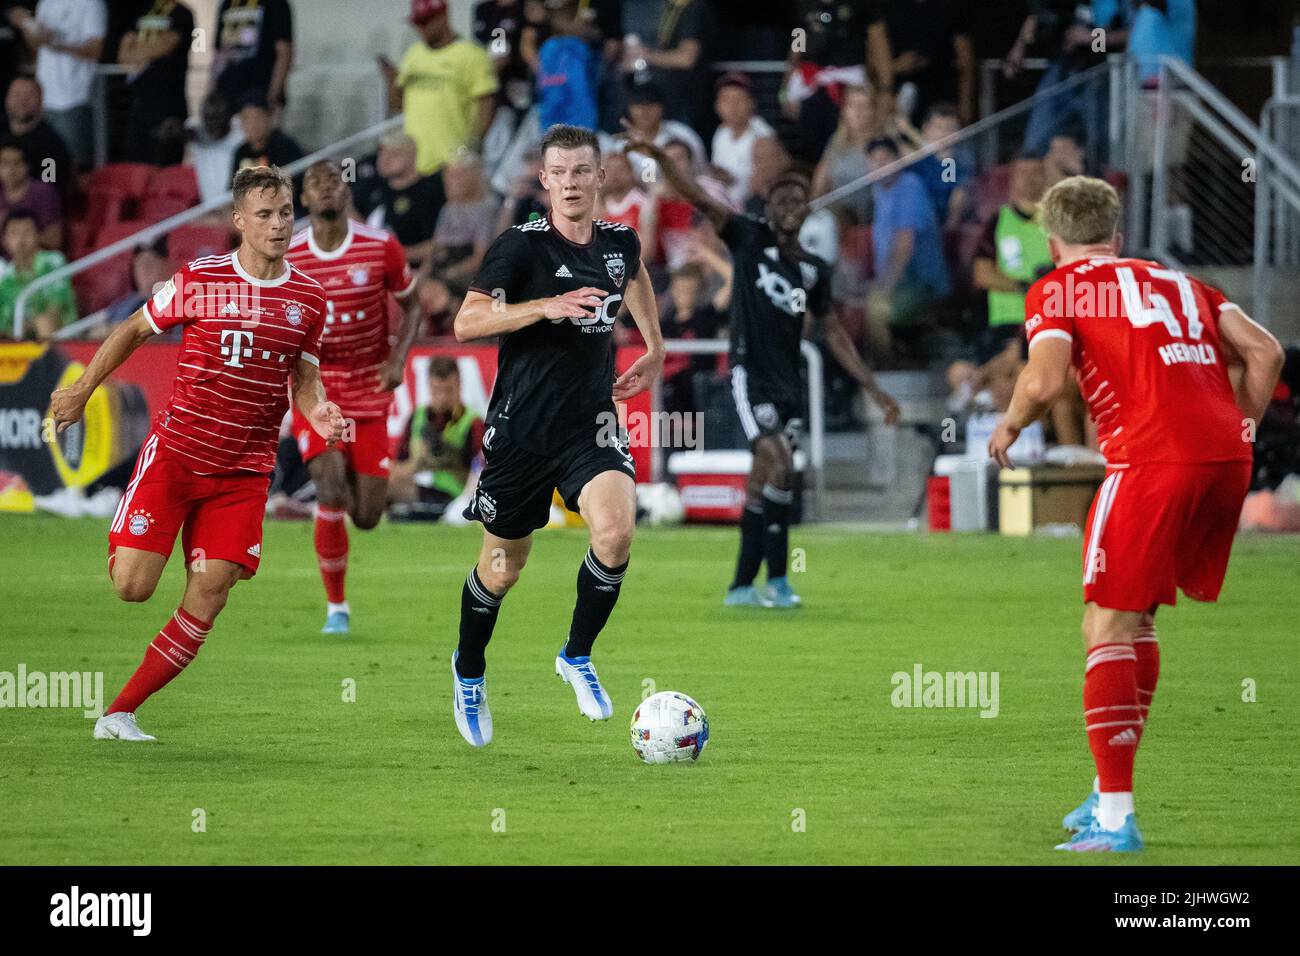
781, 295
551, 289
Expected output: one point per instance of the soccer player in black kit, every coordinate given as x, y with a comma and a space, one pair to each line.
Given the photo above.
781, 294
551, 289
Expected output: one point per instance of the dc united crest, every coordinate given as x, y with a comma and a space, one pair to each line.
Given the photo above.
765, 415
616, 268
487, 507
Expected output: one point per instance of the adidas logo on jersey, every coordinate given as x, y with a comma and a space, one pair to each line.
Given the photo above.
256, 550
563, 272
1125, 738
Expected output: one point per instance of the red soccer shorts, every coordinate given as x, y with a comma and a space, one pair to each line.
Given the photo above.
366, 454
220, 516
1158, 527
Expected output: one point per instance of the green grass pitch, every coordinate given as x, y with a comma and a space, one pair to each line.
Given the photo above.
809, 761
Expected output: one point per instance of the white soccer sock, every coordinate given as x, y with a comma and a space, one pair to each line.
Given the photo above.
1113, 809
1096, 784
331, 607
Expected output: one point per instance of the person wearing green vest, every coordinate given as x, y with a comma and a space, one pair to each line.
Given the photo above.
442, 441
51, 307
1012, 255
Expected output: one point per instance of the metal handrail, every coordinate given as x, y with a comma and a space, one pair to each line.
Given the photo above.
963, 134
150, 233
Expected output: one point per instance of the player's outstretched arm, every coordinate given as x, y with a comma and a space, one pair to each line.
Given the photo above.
645, 313
841, 346
68, 403
392, 371
715, 212
1039, 386
309, 397
483, 316
1254, 347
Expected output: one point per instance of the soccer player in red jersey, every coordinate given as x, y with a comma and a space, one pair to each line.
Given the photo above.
358, 267
1176, 378
252, 325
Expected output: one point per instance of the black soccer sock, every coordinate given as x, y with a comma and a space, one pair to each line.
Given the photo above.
598, 588
751, 545
478, 616
776, 529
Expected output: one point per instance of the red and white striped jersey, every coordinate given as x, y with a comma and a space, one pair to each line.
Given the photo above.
357, 278
243, 338
1148, 356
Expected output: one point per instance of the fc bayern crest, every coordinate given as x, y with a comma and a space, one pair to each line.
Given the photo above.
360, 275
617, 270
293, 313
138, 523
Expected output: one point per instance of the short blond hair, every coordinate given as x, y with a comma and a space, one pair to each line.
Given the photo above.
1080, 211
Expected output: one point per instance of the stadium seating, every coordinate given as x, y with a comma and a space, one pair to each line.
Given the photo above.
177, 182
187, 243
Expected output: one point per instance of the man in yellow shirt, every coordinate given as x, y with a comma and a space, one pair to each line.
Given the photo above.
445, 84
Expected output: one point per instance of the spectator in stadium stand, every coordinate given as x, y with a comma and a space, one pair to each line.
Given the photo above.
263, 144
19, 191
733, 141
68, 36
931, 44
946, 173
621, 198
47, 155
668, 223
498, 28
676, 57
526, 198
842, 44
911, 275
49, 308
214, 140
645, 113
15, 55
446, 86
845, 158
157, 52
401, 200
466, 227
1012, 255
688, 314
1066, 156
254, 50
437, 454
150, 268
1159, 28
1061, 31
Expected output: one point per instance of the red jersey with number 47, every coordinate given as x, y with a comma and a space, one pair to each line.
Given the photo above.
357, 278
242, 340
1148, 356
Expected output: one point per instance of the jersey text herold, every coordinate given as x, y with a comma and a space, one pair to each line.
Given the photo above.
357, 277
243, 338
1149, 359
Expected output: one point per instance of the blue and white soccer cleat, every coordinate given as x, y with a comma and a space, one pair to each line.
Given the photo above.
580, 674
473, 719
1094, 839
780, 594
337, 622
1081, 817
746, 596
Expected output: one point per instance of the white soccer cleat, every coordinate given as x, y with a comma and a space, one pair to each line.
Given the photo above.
473, 719
580, 674
120, 726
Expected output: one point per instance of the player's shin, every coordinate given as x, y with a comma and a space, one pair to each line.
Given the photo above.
598, 587
1113, 722
176, 645
751, 545
331, 539
478, 617
1147, 649
776, 529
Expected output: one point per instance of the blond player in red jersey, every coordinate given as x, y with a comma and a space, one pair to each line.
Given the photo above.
1152, 349
358, 267
252, 326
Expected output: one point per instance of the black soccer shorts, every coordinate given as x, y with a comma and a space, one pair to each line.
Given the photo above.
764, 411
513, 497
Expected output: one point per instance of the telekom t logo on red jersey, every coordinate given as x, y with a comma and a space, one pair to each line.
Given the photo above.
240, 346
